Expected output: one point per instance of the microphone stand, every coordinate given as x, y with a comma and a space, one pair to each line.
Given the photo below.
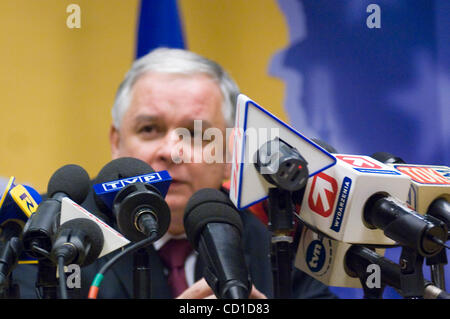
10, 251
369, 292
437, 271
439, 209
47, 279
281, 225
411, 279
406, 277
141, 274
281, 165
9, 290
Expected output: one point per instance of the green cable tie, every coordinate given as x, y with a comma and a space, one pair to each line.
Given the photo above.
97, 280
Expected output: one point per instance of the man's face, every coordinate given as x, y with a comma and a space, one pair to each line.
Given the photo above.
161, 104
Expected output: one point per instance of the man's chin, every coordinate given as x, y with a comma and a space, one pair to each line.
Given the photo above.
176, 230
177, 202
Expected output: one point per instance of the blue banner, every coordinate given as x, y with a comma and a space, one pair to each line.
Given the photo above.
370, 76
159, 25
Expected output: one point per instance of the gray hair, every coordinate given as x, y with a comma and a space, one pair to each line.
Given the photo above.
176, 61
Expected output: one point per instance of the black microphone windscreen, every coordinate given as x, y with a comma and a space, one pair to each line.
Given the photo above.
209, 206
119, 168
91, 206
72, 180
123, 167
324, 145
387, 158
93, 232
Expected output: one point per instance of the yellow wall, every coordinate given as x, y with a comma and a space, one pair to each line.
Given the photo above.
242, 35
57, 84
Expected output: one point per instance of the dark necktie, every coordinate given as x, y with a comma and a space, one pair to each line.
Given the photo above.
174, 254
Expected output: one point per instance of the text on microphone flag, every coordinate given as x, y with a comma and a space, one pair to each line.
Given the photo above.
424, 174
358, 161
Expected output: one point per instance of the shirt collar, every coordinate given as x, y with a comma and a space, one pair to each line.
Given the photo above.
165, 238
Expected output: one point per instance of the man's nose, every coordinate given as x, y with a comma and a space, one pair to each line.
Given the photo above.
169, 150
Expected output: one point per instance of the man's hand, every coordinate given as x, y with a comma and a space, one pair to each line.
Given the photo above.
201, 290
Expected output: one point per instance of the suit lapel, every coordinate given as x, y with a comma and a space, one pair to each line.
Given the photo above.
123, 273
159, 284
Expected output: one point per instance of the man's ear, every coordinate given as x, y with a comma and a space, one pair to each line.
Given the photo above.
114, 141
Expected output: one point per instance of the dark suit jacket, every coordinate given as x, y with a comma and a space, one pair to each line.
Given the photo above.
118, 280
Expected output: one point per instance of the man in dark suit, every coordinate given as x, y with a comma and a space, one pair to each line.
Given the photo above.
168, 94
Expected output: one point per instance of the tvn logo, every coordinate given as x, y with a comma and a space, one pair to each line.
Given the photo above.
116, 185
315, 256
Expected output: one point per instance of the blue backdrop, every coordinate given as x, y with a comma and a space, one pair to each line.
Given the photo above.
362, 90
365, 90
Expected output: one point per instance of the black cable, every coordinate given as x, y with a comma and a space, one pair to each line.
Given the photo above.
38, 292
136, 246
40, 251
62, 278
128, 250
46, 254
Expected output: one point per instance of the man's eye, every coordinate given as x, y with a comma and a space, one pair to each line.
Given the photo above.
147, 129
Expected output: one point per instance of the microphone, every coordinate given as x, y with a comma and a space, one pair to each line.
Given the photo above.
329, 148
340, 264
138, 207
214, 229
17, 203
361, 201
321, 253
121, 172
10, 250
113, 240
429, 191
256, 129
440, 208
425, 234
358, 258
282, 165
323, 258
68, 181
130, 192
429, 195
387, 158
78, 241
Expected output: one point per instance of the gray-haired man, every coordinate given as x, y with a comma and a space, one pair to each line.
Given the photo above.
167, 92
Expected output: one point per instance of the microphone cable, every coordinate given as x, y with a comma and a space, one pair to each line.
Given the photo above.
40, 251
95, 285
62, 278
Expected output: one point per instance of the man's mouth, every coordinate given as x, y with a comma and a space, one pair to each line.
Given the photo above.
176, 183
